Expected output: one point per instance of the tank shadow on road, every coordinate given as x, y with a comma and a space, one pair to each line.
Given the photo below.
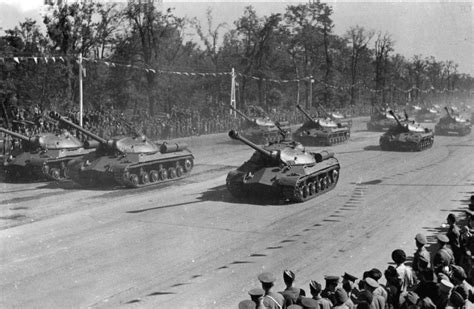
221, 194
372, 148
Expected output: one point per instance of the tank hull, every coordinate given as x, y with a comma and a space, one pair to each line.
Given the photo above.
380, 125
406, 141
131, 170
452, 128
309, 135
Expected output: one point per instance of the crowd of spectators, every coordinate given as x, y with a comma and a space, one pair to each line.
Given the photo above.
440, 278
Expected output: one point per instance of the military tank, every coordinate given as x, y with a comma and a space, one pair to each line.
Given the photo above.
451, 124
42, 156
338, 118
426, 114
130, 161
287, 171
262, 130
380, 120
407, 136
320, 131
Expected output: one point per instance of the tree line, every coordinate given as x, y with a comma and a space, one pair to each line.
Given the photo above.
359, 67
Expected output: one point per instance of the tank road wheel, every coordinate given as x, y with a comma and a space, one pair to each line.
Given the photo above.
305, 191
179, 171
188, 165
312, 188
55, 173
133, 178
65, 172
317, 183
163, 174
322, 183
144, 178
154, 176
335, 176
172, 173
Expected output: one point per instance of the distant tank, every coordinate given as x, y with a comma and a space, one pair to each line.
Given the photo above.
426, 114
130, 161
320, 131
406, 136
380, 120
284, 171
262, 130
451, 124
42, 156
338, 118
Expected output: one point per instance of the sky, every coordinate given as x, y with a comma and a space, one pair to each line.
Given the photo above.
443, 29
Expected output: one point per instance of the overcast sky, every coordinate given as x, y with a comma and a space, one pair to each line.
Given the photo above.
444, 30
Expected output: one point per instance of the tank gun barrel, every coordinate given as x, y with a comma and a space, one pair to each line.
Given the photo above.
241, 114
447, 111
396, 118
305, 113
17, 135
325, 111
235, 135
60, 118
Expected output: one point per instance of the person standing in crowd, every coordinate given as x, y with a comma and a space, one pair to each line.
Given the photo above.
341, 298
466, 241
315, 290
444, 291
420, 242
444, 256
256, 295
271, 300
376, 274
458, 278
291, 293
378, 302
404, 272
348, 284
330, 288
426, 286
393, 287
453, 234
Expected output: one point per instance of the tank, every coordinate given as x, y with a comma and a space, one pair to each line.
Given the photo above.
426, 114
320, 131
262, 130
380, 120
129, 161
408, 136
451, 124
338, 118
286, 171
42, 156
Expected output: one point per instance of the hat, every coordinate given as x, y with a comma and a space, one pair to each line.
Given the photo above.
257, 292
458, 272
456, 299
427, 303
366, 296
451, 217
340, 295
412, 297
391, 272
331, 278
349, 277
442, 238
375, 274
294, 306
399, 256
247, 304
421, 239
266, 278
288, 275
315, 286
445, 285
371, 282
309, 303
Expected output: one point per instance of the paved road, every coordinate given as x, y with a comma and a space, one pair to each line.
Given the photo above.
190, 244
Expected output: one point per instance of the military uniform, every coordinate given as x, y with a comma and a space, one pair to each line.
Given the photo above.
331, 284
271, 300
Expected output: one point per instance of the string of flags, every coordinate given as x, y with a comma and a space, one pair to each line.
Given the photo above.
63, 59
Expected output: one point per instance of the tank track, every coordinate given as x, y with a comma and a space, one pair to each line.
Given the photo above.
410, 146
330, 140
460, 132
152, 173
22, 173
311, 186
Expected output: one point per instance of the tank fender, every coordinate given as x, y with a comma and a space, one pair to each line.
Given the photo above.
323, 155
173, 147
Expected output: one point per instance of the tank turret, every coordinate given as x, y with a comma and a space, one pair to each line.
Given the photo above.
131, 161
320, 131
262, 130
284, 170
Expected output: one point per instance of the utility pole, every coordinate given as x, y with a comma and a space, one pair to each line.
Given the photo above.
232, 94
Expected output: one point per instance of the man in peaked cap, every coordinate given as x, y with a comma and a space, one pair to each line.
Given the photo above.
458, 278
376, 274
340, 295
444, 290
247, 304
315, 290
270, 300
330, 289
291, 293
348, 284
256, 295
309, 303
378, 301
443, 256
420, 242
453, 234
